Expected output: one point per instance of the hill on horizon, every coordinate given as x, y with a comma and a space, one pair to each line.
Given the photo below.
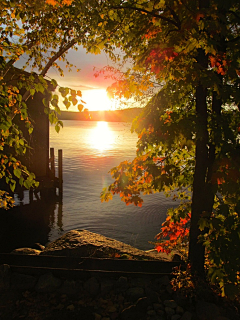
121, 115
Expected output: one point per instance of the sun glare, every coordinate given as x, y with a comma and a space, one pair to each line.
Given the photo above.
96, 100
101, 137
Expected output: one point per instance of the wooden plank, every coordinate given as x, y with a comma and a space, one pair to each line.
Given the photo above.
111, 265
83, 273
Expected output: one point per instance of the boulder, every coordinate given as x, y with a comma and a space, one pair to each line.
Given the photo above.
135, 293
23, 282
92, 286
48, 283
83, 243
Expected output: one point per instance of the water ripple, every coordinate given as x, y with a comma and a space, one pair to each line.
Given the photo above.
86, 163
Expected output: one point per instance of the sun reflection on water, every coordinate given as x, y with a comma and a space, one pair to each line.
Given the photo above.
101, 137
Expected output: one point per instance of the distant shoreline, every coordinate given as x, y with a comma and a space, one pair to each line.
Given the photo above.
123, 115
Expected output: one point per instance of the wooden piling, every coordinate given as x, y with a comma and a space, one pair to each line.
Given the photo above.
60, 173
52, 164
60, 216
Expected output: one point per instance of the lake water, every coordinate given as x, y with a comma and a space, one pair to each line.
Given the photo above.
90, 150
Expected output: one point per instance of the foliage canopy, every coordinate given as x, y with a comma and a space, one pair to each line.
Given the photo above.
186, 55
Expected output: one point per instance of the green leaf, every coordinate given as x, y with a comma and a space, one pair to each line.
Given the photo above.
40, 87
54, 83
45, 102
27, 184
32, 91
203, 223
17, 172
12, 185
54, 102
57, 128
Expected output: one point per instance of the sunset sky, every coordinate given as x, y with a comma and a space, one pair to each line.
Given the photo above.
93, 89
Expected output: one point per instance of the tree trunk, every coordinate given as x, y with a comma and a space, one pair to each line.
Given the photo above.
196, 249
202, 199
203, 195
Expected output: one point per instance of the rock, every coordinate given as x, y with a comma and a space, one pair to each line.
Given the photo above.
121, 284
142, 305
152, 295
106, 285
5, 276
26, 251
170, 303
169, 289
155, 255
97, 316
165, 295
38, 246
164, 281
69, 287
157, 306
83, 243
92, 286
71, 307
48, 283
175, 317
135, 293
151, 313
23, 281
139, 282
206, 310
112, 309
131, 313
161, 313
169, 311
179, 310
186, 316
114, 316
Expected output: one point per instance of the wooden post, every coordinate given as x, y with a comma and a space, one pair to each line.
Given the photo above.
60, 216
52, 164
60, 173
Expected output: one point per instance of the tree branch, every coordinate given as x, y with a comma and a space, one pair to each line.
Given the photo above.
58, 55
176, 24
51, 61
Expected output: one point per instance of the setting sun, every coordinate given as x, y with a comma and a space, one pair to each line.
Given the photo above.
97, 100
